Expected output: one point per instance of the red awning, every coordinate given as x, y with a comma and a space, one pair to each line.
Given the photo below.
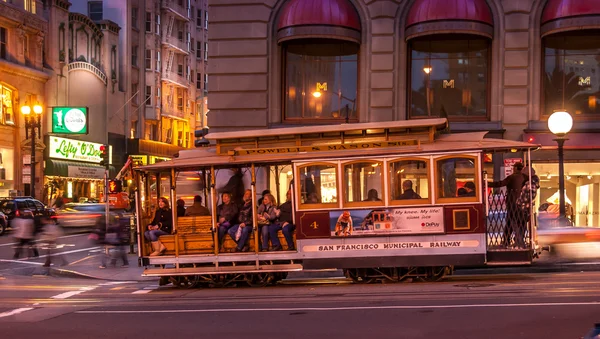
338, 13
561, 9
423, 11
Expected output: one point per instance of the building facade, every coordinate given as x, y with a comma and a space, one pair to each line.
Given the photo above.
501, 66
162, 71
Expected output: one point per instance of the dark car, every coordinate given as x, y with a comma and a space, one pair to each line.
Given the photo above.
13, 207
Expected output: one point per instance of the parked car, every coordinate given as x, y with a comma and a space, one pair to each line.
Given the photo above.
13, 207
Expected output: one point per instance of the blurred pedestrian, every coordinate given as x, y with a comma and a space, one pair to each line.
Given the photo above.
24, 233
50, 234
116, 237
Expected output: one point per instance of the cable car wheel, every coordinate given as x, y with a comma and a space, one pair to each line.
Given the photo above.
358, 276
258, 279
185, 281
433, 274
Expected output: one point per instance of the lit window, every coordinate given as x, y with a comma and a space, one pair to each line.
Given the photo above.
318, 184
6, 107
29, 6
363, 182
409, 181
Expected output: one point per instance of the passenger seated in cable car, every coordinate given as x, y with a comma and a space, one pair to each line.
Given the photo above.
162, 224
468, 190
409, 193
267, 215
240, 233
372, 195
227, 213
285, 222
197, 210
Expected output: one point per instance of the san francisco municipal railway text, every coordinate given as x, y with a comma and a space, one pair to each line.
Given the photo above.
391, 246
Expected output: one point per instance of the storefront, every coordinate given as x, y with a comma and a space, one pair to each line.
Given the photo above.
72, 170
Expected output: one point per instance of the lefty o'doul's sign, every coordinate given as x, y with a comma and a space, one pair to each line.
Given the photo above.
323, 148
61, 148
70, 120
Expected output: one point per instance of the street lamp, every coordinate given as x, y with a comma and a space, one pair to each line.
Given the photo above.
32, 121
560, 123
317, 94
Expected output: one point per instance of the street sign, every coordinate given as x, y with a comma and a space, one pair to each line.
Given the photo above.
70, 120
508, 165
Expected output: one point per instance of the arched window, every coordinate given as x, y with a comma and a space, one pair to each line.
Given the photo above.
320, 60
449, 59
571, 57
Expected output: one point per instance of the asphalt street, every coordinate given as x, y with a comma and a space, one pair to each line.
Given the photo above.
560, 305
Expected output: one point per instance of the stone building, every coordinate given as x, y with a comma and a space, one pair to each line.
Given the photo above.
501, 66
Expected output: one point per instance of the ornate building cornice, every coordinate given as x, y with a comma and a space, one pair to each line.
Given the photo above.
23, 71
22, 17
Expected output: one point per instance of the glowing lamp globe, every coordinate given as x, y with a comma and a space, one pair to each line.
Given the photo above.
560, 123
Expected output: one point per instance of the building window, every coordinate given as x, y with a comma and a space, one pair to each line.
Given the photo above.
199, 18
205, 82
148, 59
134, 17
180, 70
199, 49
205, 19
206, 51
29, 6
158, 96
158, 61
95, 10
3, 42
571, 61
148, 22
134, 93
198, 80
148, 99
179, 99
449, 77
157, 23
134, 55
7, 105
321, 80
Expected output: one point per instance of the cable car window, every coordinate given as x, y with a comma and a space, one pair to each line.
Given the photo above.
318, 184
363, 181
409, 180
456, 177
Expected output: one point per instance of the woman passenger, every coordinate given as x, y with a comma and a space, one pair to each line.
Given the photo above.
162, 224
227, 213
245, 224
267, 215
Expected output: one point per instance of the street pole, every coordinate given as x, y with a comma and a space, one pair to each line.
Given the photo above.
32, 177
561, 177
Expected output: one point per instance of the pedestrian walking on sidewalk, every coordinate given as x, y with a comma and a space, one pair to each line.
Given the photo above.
24, 233
50, 234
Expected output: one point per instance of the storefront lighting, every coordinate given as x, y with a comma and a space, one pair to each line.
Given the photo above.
589, 176
427, 69
316, 94
560, 123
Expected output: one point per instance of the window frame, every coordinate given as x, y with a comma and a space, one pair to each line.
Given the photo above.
92, 14
456, 118
430, 192
344, 187
148, 23
297, 187
476, 157
4, 43
312, 120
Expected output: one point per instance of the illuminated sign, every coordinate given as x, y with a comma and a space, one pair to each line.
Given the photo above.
585, 81
69, 149
321, 87
115, 186
448, 83
323, 148
70, 120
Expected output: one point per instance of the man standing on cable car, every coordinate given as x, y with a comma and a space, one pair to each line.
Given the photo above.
514, 217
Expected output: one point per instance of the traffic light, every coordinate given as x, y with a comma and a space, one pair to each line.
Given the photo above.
104, 155
115, 186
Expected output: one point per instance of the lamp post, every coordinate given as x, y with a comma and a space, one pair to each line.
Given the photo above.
32, 121
560, 123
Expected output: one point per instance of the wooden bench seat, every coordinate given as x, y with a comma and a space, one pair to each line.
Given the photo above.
195, 236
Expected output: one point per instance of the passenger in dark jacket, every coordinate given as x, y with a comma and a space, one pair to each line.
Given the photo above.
514, 216
245, 222
227, 213
285, 223
162, 224
197, 209
180, 207
407, 186
235, 187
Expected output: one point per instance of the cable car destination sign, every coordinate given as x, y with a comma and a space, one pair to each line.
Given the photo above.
324, 148
70, 120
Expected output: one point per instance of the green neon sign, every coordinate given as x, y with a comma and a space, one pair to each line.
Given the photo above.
70, 120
